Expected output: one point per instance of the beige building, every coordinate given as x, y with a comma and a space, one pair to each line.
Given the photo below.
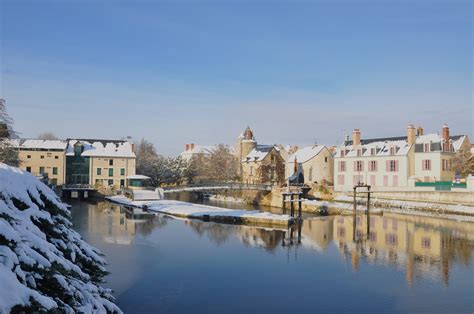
315, 163
99, 163
395, 163
259, 164
193, 150
43, 158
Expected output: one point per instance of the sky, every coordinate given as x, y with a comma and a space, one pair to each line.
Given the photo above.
296, 72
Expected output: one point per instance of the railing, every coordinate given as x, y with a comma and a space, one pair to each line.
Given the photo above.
441, 185
78, 187
218, 186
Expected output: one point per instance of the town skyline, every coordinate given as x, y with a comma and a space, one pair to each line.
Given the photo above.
165, 72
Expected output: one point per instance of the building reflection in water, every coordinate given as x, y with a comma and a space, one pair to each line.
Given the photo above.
421, 246
418, 245
118, 225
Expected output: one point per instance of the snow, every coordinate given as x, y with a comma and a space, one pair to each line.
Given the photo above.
42, 144
138, 177
38, 248
102, 148
188, 210
306, 153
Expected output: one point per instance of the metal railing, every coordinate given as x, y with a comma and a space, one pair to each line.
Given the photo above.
218, 186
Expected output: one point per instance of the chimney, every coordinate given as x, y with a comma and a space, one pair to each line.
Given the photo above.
419, 132
411, 134
346, 138
186, 147
356, 137
447, 142
446, 133
191, 146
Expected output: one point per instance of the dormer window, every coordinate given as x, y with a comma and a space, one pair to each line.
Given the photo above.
372, 151
392, 150
426, 147
343, 152
359, 152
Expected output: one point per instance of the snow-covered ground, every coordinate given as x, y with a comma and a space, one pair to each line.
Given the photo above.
183, 209
44, 263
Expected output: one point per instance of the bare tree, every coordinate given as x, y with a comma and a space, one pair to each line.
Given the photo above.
222, 164
47, 136
463, 163
8, 152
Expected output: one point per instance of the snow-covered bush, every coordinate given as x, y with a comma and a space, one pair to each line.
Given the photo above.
44, 264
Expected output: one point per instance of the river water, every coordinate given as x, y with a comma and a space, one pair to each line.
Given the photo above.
166, 265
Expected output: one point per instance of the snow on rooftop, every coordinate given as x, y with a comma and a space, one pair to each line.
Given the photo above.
258, 154
102, 148
42, 144
138, 177
306, 153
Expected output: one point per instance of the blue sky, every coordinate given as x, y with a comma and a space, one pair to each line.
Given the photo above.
201, 71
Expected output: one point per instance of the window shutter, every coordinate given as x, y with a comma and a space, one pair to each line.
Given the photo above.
396, 165
387, 165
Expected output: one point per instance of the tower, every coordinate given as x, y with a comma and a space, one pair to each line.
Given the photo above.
245, 144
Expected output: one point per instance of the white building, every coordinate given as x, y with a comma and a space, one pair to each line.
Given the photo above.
389, 163
191, 150
316, 163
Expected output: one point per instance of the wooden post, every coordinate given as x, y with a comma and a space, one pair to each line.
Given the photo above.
299, 206
354, 215
284, 199
368, 211
292, 205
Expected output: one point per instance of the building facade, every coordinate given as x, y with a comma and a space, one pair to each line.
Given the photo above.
43, 158
259, 164
394, 163
99, 163
315, 163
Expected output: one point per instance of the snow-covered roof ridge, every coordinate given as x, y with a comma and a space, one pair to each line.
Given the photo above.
40, 249
259, 153
306, 153
101, 148
42, 144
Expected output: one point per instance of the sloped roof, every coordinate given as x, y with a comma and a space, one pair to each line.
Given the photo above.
101, 148
259, 153
42, 144
306, 153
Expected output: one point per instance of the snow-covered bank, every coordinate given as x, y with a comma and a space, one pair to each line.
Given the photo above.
188, 210
418, 206
226, 199
44, 264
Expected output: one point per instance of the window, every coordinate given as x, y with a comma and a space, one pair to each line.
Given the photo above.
122, 183
372, 180
426, 147
447, 165
110, 182
340, 179
373, 165
111, 172
372, 151
325, 159
42, 156
41, 170
28, 169
54, 182
55, 170
343, 152
99, 171
392, 150
111, 162
358, 165
391, 239
426, 164
392, 165
342, 166
122, 171
28, 156
49, 154
426, 242
56, 157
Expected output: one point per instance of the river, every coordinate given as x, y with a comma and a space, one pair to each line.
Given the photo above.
167, 265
